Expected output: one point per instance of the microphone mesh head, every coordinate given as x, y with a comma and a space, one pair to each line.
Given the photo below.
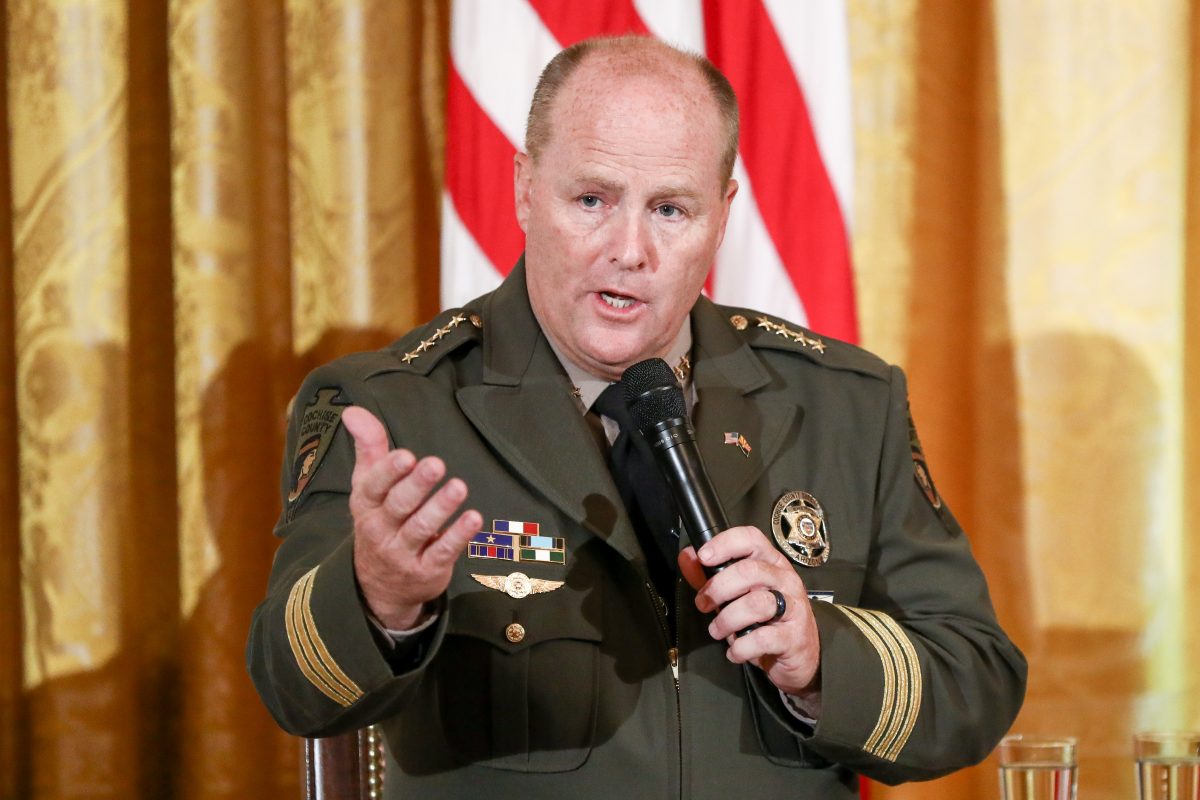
652, 393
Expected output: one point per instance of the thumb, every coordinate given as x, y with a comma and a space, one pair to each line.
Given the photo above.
370, 439
690, 567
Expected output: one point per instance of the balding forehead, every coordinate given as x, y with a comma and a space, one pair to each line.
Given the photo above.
678, 83
641, 55
682, 80
646, 58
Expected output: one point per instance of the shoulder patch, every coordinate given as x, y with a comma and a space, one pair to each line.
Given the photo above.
318, 424
921, 468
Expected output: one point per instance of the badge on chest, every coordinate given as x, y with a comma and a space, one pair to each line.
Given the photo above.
798, 523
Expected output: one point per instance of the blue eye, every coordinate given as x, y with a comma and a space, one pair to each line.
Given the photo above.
669, 211
589, 201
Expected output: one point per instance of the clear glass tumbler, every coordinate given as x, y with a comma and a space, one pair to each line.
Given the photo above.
1037, 768
1168, 765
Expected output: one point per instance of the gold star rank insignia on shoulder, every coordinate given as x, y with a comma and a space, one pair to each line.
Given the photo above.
800, 337
427, 344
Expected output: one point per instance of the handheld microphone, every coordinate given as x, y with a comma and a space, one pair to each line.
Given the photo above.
656, 405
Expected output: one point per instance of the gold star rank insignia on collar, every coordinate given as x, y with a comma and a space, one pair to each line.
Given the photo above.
683, 369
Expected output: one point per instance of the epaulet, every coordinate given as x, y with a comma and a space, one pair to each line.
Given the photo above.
419, 350
765, 331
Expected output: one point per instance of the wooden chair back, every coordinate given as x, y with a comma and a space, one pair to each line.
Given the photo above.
345, 767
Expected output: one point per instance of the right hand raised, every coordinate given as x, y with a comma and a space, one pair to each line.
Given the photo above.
405, 544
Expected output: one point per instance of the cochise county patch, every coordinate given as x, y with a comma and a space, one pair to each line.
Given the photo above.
317, 427
921, 469
798, 523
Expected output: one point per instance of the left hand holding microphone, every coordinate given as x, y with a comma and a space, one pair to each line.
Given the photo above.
761, 605
755, 586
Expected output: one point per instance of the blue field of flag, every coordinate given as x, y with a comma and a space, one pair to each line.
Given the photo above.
491, 537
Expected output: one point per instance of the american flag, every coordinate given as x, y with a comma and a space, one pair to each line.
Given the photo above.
786, 247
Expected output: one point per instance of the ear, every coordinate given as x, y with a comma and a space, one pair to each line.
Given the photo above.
731, 189
522, 185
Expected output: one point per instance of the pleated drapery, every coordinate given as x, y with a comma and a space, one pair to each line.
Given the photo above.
1026, 246
204, 199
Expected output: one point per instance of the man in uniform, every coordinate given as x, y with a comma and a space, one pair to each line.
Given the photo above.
538, 643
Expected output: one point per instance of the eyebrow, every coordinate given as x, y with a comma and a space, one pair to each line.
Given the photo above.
677, 191
612, 186
594, 180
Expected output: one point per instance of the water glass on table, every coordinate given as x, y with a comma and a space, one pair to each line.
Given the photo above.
1037, 768
1168, 765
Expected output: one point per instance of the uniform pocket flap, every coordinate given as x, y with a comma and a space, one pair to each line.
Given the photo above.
515, 623
836, 581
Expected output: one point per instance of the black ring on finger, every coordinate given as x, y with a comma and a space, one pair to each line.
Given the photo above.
780, 605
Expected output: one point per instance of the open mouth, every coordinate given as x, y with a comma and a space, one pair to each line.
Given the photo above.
617, 300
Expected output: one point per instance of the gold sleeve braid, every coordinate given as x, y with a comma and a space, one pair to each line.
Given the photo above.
309, 650
901, 681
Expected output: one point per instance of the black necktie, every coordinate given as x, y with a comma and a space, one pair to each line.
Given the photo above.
644, 492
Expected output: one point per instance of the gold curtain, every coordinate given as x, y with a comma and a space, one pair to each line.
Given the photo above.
203, 199
1026, 245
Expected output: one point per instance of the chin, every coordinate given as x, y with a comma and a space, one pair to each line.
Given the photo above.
617, 364
614, 352
606, 359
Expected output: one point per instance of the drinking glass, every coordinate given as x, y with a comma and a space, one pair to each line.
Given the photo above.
1033, 768
1168, 765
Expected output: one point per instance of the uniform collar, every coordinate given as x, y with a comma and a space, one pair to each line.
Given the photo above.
514, 341
514, 344
589, 386
526, 388
511, 335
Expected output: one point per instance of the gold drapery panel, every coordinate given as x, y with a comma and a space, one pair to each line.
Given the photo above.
205, 198
233, 366
1030, 163
176, 187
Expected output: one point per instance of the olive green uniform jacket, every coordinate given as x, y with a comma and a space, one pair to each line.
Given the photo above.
918, 679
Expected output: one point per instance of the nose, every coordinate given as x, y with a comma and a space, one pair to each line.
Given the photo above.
630, 245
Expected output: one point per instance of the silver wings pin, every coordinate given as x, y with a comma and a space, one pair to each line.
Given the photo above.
517, 584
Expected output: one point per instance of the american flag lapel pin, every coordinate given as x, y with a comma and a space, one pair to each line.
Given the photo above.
740, 441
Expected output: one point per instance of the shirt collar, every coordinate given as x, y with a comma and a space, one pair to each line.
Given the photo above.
590, 386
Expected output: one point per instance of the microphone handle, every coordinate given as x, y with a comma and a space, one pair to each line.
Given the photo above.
673, 443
